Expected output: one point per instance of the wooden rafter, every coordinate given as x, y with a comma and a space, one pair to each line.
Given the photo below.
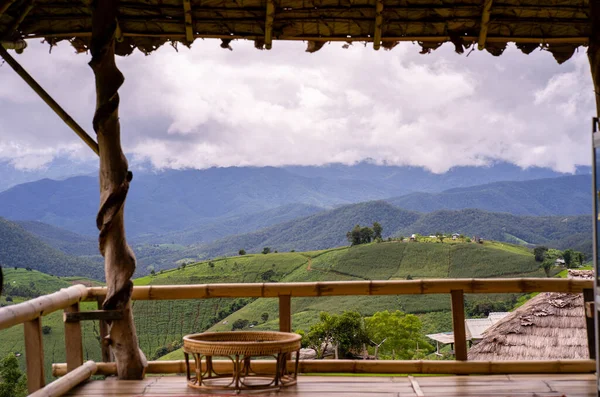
378, 23
270, 17
4, 5
189, 30
15, 24
485, 22
48, 99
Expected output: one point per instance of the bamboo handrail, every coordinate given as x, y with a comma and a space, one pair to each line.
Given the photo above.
341, 288
41, 306
68, 381
374, 366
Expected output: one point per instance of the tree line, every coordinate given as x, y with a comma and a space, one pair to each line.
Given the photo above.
364, 234
549, 256
389, 335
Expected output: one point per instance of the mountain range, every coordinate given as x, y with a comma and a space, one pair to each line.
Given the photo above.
192, 206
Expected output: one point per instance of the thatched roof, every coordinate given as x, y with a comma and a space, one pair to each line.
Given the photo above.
549, 326
559, 26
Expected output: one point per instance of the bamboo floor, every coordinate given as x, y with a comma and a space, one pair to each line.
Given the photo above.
554, 385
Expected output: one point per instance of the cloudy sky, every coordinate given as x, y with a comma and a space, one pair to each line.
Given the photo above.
209, 107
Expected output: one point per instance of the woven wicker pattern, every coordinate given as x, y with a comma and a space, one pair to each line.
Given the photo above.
256, 343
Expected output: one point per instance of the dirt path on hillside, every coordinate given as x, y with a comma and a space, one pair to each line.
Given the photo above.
309, 267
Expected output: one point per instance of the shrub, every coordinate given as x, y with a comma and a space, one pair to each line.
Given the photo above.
46, 329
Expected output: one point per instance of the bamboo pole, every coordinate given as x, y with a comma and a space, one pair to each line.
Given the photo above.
485, 21
189, 30
375, 366
458, 324
269, 18
119, 260
63, 385
378, 24
285, 313
348, 288
48, 99
41, 306
34, 354
73, 340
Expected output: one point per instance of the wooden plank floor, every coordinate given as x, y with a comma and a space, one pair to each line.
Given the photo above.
351, 386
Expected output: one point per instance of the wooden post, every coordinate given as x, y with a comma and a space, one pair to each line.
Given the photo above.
73, 341
485, 21
34, 355
285, 313
458, 324
588, 298
378, 25
119, 260
103, 328
594, 50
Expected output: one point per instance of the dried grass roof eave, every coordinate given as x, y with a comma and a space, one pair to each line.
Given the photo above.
560, 26
549, 326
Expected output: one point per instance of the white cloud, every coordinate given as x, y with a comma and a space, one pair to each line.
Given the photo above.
209, 107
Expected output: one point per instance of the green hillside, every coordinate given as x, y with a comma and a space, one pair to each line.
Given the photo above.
19, 248
161, 323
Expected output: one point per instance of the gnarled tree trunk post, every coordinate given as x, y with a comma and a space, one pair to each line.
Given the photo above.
119, 260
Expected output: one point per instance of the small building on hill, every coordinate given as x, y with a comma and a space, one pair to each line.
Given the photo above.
550, 326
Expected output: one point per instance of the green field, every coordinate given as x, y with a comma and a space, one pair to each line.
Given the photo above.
160, 323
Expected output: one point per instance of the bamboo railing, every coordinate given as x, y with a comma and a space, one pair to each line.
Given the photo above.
29, 313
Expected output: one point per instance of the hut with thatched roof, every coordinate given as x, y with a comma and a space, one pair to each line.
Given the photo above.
549, 326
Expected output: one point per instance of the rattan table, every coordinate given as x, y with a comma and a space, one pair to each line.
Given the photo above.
241, 348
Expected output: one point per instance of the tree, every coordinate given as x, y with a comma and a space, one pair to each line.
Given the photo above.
568, 256
377, 229
366, 235
266, 250
320, 335
346, 331
540, 253
152, 273
397, 334
211, 264
349, 333
242, 252
353, 236
240, 323
46, 329
550, 257
13, 382
264, 317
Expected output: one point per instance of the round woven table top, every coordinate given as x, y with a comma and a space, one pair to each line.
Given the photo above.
253, 343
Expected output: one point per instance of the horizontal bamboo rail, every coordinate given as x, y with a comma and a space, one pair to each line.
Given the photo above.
68, 381
340, 288
373, 366
41, 306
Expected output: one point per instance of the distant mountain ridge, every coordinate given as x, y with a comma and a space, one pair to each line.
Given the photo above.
328, 229
186, 202
19, 248
568, 195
